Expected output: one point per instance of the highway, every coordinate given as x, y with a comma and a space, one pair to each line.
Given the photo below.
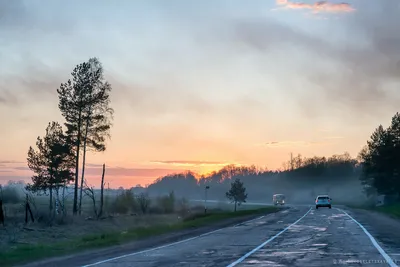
215, 203
297, 236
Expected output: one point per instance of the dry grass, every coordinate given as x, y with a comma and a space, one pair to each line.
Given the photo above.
121, 213
76, 227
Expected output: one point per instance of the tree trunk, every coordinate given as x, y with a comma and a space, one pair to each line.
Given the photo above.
84, 162
1, 213
63, 198
51, 198
57, 199
78, 145
102, 192
83, 172
28, 210
235, 205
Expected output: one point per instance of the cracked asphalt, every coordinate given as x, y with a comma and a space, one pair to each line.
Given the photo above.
324, 237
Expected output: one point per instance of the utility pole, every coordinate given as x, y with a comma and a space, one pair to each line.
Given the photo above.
205, 198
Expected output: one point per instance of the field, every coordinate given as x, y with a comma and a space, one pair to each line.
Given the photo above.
53, 235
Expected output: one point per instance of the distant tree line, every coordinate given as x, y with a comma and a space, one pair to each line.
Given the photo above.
376, 169
84, 102
300, 170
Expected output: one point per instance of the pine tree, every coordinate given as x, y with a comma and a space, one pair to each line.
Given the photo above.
97, 116
51, 162
237, 193
379, 159
84, 103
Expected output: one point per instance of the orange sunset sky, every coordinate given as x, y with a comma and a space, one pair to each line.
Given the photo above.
201, 84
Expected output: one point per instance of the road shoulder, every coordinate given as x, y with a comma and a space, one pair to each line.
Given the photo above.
382, 227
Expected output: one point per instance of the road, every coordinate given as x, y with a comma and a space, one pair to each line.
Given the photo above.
299, 236
213, 203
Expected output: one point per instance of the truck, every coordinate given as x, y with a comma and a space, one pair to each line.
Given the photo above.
278, 199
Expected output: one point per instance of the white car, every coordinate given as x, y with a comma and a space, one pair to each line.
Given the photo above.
323, 201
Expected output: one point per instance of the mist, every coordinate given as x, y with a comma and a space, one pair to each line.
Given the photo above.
301, 181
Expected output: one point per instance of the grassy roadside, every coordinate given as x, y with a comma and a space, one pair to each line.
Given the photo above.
26, 253
392, 210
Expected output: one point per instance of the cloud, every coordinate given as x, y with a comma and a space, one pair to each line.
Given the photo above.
133, 172
35, 81
94, 165
17, 15
355, 75
94, 170
191, 163
10, 162
333, 137
317, 7
93, 174
276, 144
21, 168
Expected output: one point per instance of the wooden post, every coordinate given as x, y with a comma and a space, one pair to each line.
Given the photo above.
1, 212
102, 192
28, 209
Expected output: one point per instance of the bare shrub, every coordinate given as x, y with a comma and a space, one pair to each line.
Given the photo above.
183, 207
155, 209
124, 202
10, 194
143, 201
167, 203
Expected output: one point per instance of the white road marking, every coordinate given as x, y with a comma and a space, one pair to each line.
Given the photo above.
170, 244
266, 242
377, 246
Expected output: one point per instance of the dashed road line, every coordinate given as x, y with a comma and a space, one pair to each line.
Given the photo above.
168, 245
266, 242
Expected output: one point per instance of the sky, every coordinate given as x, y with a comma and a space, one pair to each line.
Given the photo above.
201, 84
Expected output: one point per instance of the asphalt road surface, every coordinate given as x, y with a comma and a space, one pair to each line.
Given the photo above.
299, 236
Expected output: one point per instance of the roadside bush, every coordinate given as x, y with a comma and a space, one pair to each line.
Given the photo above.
143, 200
10, 194
196, 216
183, 207
167, 203
155, 209
125, 202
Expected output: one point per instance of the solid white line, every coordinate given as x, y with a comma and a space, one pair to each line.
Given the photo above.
377, 246
169, 245
266, 242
